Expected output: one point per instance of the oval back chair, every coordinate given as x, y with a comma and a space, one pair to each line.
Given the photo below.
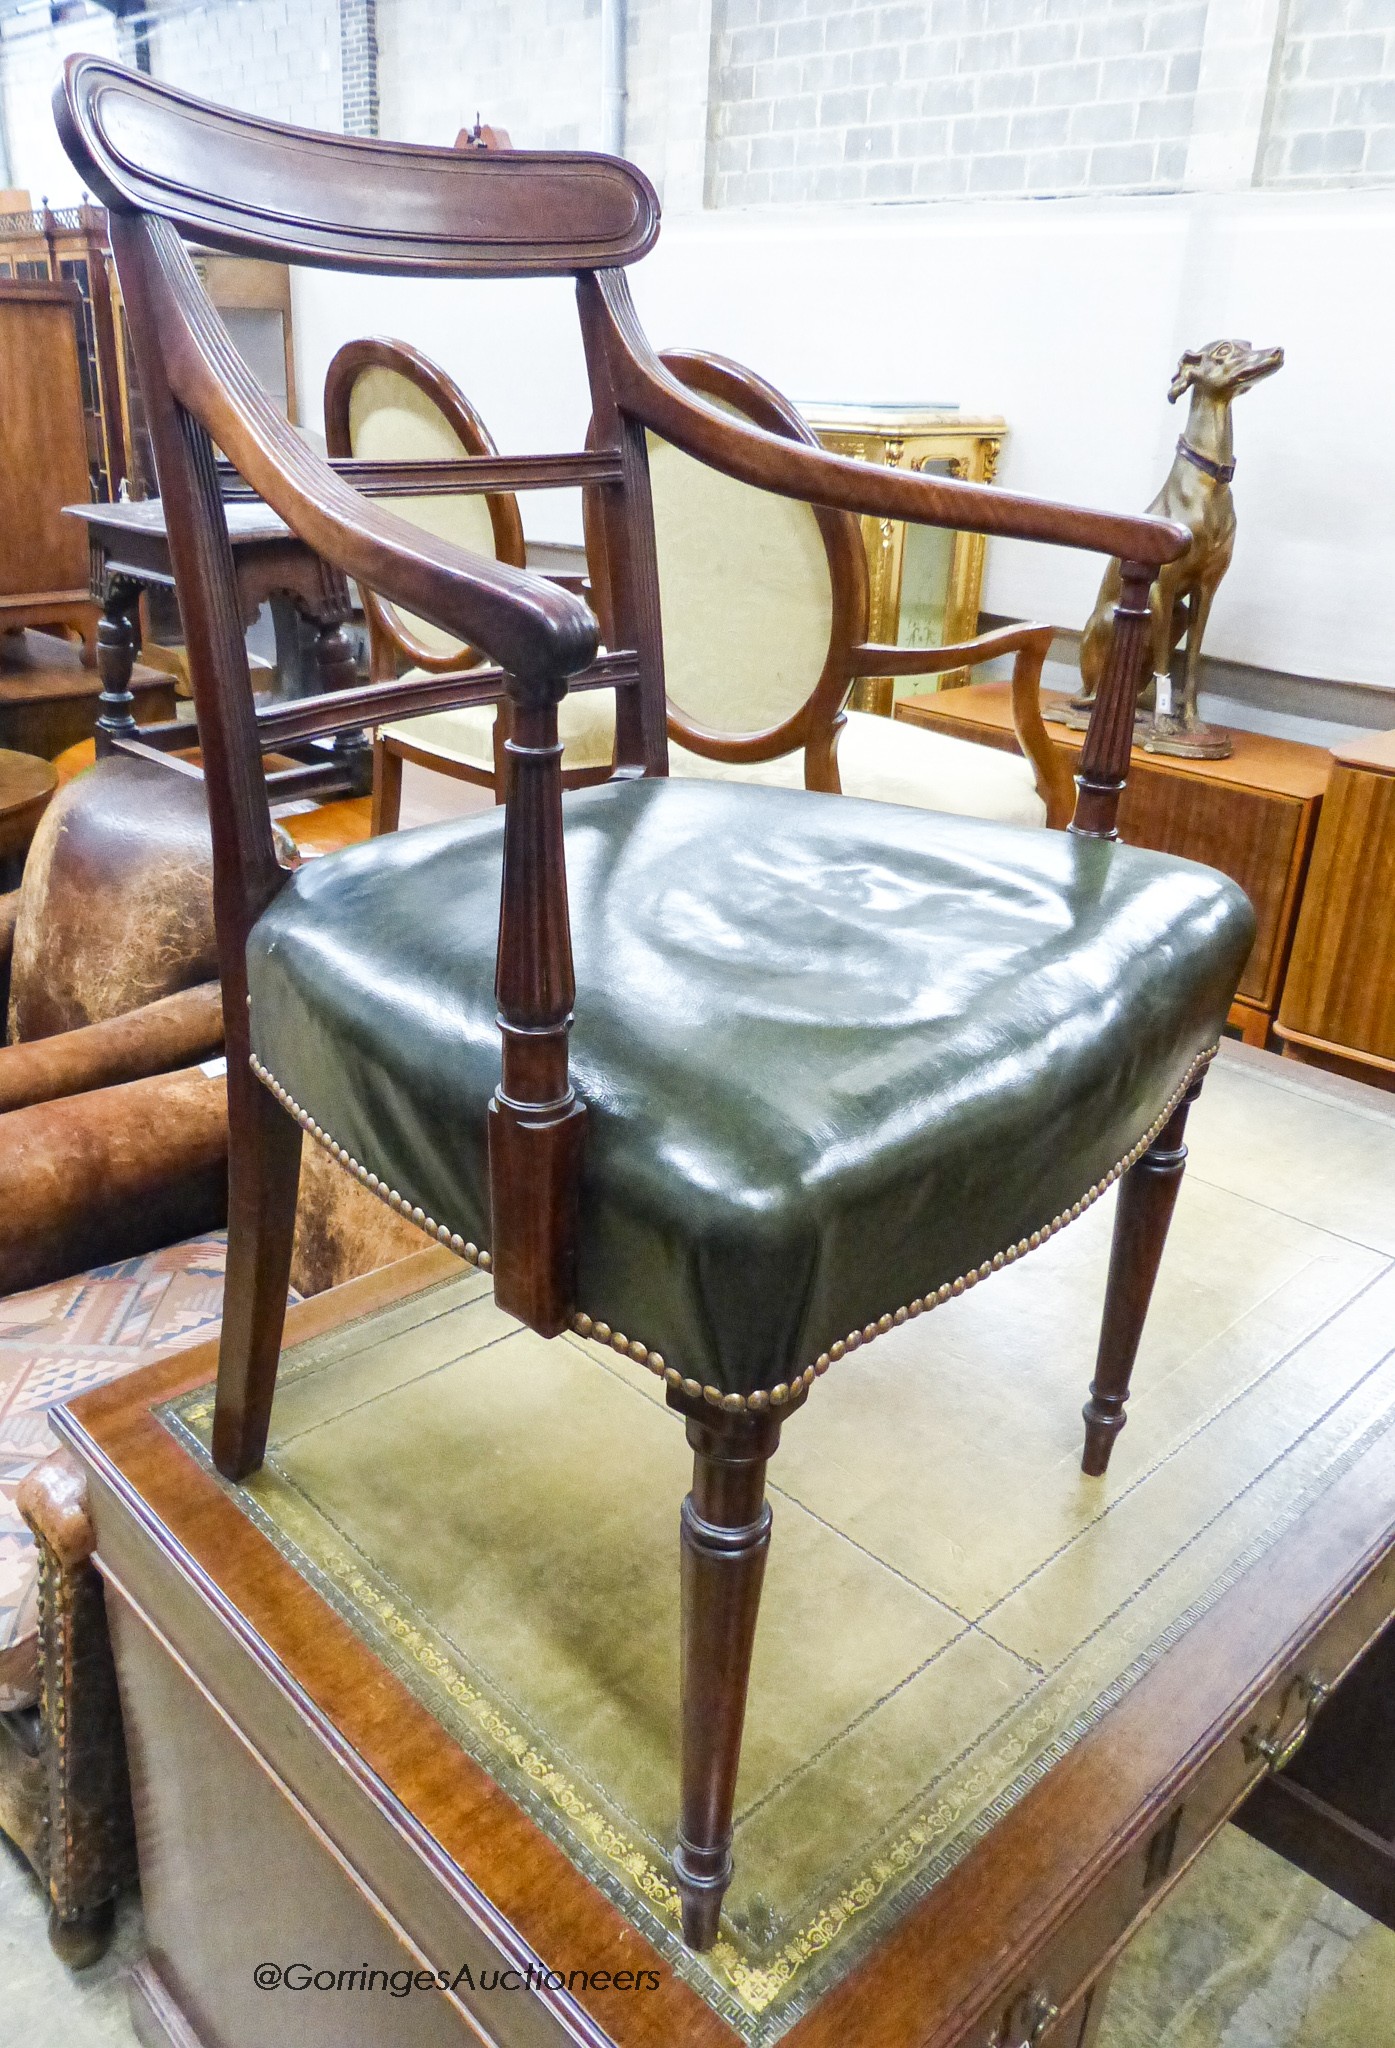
764, 606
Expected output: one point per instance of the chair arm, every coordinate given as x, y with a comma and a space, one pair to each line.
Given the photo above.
173, 1032
1031, 645
653, 395
538, 633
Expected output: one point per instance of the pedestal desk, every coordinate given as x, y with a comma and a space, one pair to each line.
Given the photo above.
1253, 816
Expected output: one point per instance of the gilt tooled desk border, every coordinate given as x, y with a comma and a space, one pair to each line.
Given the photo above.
601, 1332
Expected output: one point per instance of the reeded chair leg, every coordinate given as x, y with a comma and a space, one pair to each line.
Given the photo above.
725, 1536
263, 1177
1147, 1197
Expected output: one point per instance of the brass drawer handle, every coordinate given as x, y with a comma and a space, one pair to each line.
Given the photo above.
1276, 1750
1027, 2025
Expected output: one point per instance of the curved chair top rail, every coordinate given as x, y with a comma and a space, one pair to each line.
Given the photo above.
222, 177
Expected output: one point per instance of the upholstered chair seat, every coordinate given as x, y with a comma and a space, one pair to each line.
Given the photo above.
879, 759
818, 1041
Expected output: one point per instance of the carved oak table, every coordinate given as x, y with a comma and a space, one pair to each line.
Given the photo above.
130, 551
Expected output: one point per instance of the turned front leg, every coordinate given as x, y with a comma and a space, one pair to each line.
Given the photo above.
725, 1536
1147, 1197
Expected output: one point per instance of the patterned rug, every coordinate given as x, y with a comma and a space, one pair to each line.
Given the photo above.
59, 1341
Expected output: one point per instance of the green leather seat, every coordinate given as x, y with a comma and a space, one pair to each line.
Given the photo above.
838, 1056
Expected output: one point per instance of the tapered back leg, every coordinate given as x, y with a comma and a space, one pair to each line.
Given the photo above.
1147, 1197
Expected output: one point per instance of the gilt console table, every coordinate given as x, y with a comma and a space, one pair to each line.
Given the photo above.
1254, 816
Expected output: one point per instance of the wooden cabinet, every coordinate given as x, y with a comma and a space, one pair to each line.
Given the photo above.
923, 583
1339, 998
43, 458
1253, 816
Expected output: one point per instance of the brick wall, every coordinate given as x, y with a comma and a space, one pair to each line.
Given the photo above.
280, 58
358, 65
531, 66
1332, 120
901, 99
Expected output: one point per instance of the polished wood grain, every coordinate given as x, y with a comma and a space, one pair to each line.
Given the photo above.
1038, 1908
1253, 816
1339, 996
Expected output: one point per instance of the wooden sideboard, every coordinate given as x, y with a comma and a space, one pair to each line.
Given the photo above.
43, 459
1254, 816
1338, 1006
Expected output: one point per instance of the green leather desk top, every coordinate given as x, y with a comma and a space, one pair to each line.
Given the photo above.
949, 1603
838, 1056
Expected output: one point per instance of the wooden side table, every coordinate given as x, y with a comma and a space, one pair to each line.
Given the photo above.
1254, 816
1338, 1005
26, 784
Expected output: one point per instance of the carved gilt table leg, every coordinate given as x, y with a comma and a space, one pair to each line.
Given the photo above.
90, 1831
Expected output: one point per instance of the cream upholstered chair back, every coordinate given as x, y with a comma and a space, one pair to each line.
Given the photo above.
764, 604
385, 402
760, 595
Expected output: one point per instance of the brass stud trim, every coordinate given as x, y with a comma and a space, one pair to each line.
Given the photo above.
601, 1332
789, 1390
442, 1232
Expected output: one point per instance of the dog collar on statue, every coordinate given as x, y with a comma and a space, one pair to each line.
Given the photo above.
1221, 471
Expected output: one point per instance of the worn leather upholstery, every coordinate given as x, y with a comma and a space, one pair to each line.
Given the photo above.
836, 1054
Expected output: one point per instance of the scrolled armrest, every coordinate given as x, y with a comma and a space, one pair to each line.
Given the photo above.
539, 634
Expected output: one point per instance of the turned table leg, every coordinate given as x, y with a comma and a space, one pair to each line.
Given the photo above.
725, 1537
1147, 1197
118, 643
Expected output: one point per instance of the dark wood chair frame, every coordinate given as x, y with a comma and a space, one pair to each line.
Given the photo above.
168, 165
815, 726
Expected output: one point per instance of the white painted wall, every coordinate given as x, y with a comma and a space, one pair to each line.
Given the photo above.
1068, 318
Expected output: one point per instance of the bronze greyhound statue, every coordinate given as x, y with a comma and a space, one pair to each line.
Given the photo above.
1196, 495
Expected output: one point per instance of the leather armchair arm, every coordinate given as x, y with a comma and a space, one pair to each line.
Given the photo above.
159, 1037
109, 1174
1031, 645
538, 633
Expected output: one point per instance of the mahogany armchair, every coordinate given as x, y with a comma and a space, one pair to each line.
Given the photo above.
833, 1062
764, 603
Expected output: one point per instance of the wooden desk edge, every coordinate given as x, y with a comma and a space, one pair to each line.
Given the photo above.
956, 1956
